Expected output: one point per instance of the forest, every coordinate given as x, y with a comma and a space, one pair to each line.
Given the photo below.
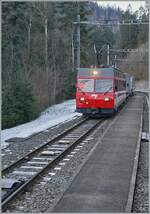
39, 52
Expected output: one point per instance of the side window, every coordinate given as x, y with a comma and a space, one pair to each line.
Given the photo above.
116, 85
124, 85
121, 85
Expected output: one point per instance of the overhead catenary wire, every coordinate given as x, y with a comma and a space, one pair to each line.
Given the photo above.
130, 50
105, 22
129, 60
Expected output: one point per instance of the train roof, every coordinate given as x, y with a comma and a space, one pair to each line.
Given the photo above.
106, 72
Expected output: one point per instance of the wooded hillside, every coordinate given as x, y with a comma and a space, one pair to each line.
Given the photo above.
39, 52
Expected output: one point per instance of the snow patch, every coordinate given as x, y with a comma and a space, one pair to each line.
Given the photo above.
52, 116
142, 86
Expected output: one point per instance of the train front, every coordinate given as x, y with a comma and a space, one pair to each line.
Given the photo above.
95, 91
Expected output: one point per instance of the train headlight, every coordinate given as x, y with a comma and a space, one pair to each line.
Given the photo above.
82, 98
94, 72
106, 99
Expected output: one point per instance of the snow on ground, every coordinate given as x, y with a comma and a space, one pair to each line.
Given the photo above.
51, 116
142, 85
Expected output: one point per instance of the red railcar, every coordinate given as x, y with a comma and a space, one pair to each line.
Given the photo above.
100, 90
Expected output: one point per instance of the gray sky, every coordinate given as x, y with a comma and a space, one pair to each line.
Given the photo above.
123, 4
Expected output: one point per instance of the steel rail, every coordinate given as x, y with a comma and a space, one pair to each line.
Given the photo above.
22, 188
30, 154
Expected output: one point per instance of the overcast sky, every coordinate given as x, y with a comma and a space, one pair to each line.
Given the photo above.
123, 4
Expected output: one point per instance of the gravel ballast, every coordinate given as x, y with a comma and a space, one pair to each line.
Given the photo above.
49, 189
17, 149
141, 202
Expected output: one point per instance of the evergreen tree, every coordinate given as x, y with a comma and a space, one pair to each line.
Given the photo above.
129, 33
18, 104
143, 29
17, 98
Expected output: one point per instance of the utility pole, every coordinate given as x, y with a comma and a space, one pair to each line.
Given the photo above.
107, 54
78, 41
115, 61
97, 55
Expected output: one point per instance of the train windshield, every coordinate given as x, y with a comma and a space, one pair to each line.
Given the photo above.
86, 85
103, 85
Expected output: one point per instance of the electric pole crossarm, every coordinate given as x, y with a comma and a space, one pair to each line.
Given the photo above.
129, 50
129, 60
112, 24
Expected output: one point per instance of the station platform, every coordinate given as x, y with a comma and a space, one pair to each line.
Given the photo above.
103, 183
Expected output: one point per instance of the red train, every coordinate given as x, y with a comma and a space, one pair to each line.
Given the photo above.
102, 90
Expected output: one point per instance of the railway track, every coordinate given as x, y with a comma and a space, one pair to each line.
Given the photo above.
30, 167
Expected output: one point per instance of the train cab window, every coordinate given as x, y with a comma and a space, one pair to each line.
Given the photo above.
86, 85
103, 85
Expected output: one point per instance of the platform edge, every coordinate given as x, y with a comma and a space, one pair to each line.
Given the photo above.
129, 203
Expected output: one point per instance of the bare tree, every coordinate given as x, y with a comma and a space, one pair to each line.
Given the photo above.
42, 10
